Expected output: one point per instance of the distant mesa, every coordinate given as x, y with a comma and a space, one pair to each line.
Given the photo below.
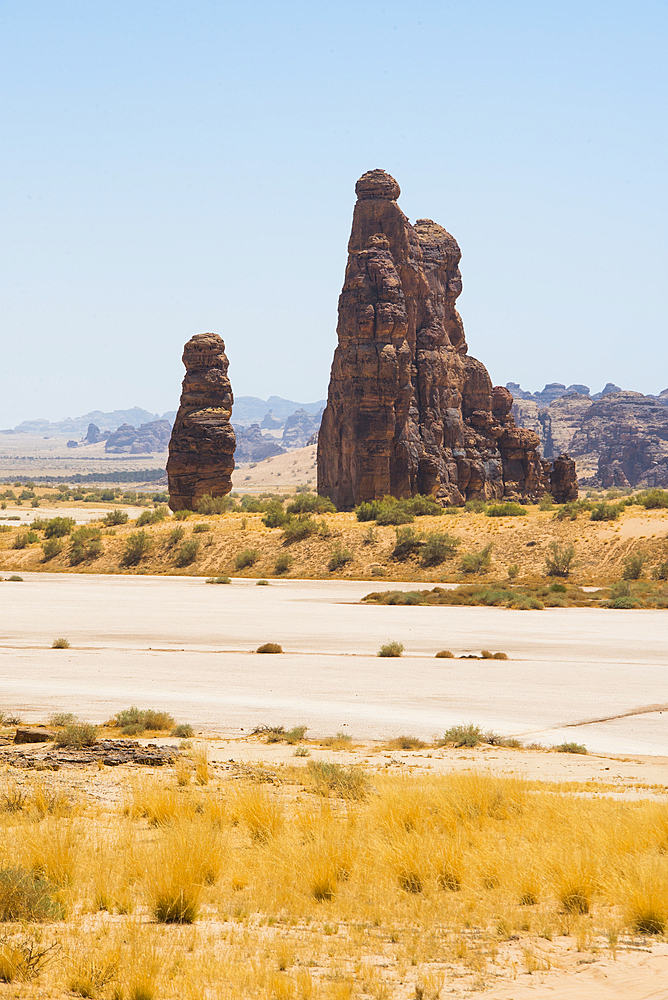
147, 438
408, 411
616, 437
201, 448
254, 446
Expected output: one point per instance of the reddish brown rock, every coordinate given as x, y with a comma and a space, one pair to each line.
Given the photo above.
408, 410
201, 449
563, 479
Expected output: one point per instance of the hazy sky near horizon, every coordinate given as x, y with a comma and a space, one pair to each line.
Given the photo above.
168, 168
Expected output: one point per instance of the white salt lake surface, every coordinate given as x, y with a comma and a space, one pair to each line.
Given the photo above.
179, 644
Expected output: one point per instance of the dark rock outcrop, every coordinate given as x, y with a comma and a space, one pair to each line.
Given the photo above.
34, 734
254, 446
408, 410
201, 448
147, 438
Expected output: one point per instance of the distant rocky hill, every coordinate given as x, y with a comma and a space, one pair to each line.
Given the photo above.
617, 437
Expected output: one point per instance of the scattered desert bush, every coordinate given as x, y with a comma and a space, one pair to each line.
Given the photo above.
182, 515
85, 545
200, 529
438, 546
463, 736
311, 504
506, 510
115, 517
296, 529
634, 565
275, 516
184, 731
152, 516
186, 554
283, 563
269, 647
391, 649
475, 506
134, 721
571, 748
560, 559
606, 511
215, 505
477, 562
389, 510
60, 644
445, 654
339, 558
513, 571
25, 895
652, 499
62, 719
546, 502
58, 527
246, 558
24, 540
175, 536
51, 548
77, 734
407, 543
137, 546
405, 743
218, 579
660, 572
262, 583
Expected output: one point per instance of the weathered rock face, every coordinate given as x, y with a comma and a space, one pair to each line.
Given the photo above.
153, 436
201, 449
629, 433
299, 427
254, 446
408, 410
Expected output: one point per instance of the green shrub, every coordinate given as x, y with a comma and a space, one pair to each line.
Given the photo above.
77, 734
558, 588
85, 545
660, 572
622, 604
571, 748
182, 515
58, 527
506, 510
311, 504
275, 516
269, 647
184, 731
606, 511
438, 547
262, 583
560, 559
339, 558
27, 538
175, 536
60, 644
115, 517
296, 529
463, 736
546, 502
15, 579
651, 499
199, 529
137, 546
51, 548
186, 554
475, 506
407, 543
246, 558
215, 505
218, 579
633, 566
477, 562
152, 516
139, 720
513, 571
391, 649
283, 563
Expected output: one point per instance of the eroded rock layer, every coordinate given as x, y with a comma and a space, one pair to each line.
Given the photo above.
408, 410
201, 449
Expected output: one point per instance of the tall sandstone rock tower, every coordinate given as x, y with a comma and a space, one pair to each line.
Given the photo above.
408, 411
201, 449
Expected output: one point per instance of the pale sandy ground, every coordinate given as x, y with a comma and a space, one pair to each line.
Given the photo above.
179, 644
80, 514
274, 474
31, 455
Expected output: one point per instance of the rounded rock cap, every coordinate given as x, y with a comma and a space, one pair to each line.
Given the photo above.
377, 184
204, 350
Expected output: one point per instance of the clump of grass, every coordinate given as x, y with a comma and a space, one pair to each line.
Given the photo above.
634, 565
51, 548
302, 752
62, 719
200, 529
23, 959
114, 518
506, 510
338, 742
215, 505
85, 545
606, 511
571, 748
513, 571
152, 516
262, 583
175, 536
183, 730
296, 529
463, 736
60, 644
269, 647
283, 563
477, 562
134, 721
345, 782
26, 895
391, 649
438, 547
405, 743
445, 654
407, 544
77, 734
246, 558
58, 527
186, 554
218, 579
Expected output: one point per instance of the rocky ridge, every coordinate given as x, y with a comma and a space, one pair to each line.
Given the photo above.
408, 410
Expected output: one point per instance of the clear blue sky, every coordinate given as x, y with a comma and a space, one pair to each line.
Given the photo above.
169, 168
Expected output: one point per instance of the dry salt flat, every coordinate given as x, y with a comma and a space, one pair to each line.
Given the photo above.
592, 676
